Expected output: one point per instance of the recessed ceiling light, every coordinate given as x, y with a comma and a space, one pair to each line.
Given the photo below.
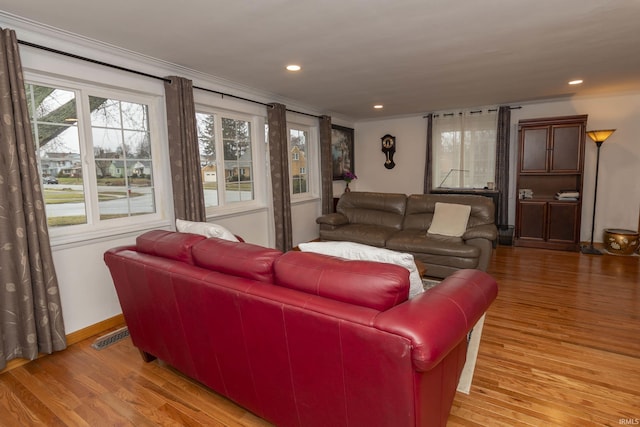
378, 106
575, 82
293, 67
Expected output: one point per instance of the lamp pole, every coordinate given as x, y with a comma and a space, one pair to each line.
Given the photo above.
598, 136
590, 249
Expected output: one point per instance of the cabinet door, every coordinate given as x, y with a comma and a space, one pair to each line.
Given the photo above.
566, 148
534, 147
532, 220
563, 220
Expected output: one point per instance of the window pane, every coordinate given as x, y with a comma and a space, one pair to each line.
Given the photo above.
236, 143
208, 167
107, 114
122, 151
137, 144
107, 143
54, 119
298, 161
134, 116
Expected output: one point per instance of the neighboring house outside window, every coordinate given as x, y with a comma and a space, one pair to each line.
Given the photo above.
98, 144
464, 149
298, 147
233, 136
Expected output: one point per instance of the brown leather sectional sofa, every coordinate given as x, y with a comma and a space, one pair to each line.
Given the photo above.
400, 222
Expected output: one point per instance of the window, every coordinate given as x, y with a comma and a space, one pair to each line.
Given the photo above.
122, 153
464, 149
298, 147
94, 153
226, 179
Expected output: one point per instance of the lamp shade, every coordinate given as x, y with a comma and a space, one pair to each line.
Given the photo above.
600, 135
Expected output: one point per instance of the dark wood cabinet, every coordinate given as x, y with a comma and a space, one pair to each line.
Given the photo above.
551, 161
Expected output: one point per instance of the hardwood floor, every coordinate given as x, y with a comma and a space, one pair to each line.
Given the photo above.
560, 344
560, 347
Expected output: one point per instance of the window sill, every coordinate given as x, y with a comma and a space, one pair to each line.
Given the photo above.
304, 199
88, 237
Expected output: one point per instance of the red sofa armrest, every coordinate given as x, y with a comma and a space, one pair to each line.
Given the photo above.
440, 318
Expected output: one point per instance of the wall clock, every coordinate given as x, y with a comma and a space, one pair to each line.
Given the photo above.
389, 149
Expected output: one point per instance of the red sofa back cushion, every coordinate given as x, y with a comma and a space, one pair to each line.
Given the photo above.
236, 258
168, 244
364, 283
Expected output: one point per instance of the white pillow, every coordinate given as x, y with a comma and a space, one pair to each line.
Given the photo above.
358, 251
206, 229
450, 219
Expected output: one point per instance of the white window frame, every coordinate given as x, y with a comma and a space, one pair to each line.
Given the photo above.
311, 155
257, 151
96, 228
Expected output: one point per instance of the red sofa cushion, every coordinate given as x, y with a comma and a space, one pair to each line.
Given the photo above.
236, 258
168, 244
364, 283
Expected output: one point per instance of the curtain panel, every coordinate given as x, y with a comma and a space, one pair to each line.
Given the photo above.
184, 153
463, 149
428, 163
326, 165
31, 319
279, 162
502, 165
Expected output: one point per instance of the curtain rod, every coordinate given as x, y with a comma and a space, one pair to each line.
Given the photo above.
470, 112
140, 73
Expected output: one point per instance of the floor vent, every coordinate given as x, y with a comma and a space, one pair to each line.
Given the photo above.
110, 338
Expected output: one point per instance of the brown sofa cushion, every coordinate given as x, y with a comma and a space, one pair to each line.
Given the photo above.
367, 208
367, 234
420, 209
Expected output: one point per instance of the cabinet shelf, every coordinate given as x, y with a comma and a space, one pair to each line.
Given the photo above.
547, 174
547, 199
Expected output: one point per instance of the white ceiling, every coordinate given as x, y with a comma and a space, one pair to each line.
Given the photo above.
413, 56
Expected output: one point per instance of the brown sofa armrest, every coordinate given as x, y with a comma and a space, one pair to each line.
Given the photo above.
332, 219
484, 231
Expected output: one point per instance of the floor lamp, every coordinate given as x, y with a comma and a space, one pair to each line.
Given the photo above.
598, 136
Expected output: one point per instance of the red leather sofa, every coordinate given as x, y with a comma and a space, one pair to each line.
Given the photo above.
300, 339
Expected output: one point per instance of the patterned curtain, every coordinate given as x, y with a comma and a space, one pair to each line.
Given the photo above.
326, 170
279, 160
30, 311
428, 179
184, 155
502, 165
